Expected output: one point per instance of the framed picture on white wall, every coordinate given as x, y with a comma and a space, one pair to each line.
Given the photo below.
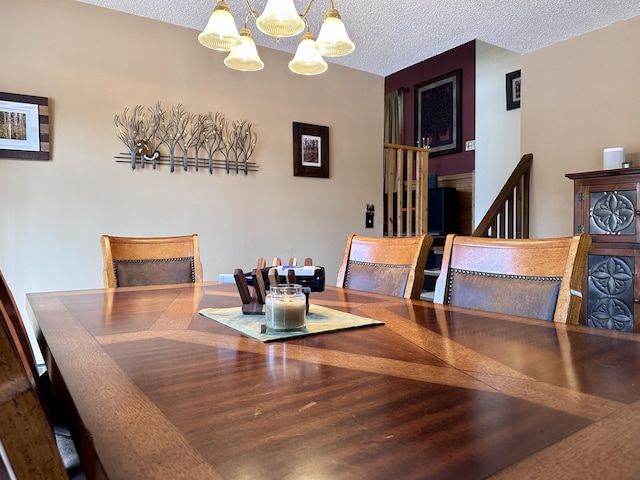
513, 90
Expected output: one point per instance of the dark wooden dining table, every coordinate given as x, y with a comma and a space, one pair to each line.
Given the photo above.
160, 391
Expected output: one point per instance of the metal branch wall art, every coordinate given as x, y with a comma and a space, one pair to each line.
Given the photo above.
200, 141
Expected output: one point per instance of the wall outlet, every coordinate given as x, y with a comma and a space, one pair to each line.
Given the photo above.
470, 145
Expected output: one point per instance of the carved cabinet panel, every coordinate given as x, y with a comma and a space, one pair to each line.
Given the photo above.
606, 207
610, 290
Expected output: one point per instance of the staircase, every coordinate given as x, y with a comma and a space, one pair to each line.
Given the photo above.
508, 217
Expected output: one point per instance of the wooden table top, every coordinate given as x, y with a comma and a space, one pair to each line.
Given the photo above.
436, 392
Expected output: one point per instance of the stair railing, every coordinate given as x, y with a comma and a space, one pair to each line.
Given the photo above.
508, 216
406, 190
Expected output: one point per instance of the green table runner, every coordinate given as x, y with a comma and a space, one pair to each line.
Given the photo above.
319, 320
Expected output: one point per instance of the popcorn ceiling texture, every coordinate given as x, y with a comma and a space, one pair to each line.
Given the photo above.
390, 36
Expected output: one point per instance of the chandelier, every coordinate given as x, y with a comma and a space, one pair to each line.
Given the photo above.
279, 19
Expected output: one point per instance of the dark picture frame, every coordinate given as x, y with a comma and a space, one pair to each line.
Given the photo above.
439, 114
513, 89
24, 127
310, 150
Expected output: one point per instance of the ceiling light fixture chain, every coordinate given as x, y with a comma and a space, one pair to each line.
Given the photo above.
279, 19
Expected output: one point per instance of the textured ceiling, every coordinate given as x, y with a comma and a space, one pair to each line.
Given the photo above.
390, 36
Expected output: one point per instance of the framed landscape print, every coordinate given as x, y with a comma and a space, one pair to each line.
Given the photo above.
24, 127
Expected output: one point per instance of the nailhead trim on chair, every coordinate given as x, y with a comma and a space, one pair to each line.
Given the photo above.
357, 262
453, 271
193, 268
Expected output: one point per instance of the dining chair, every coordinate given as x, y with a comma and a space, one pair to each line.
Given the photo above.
388, 265
136, 261
536, 278
17, 329
52, 407
18, 332
29, 445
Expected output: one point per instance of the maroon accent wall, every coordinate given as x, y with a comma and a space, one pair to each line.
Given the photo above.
464, 58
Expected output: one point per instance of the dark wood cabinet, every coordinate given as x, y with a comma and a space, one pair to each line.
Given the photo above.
606, 207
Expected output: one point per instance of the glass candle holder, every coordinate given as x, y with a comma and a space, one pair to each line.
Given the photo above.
285, 308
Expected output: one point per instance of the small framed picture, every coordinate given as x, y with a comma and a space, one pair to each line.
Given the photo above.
513, 90
24, 127
310, 150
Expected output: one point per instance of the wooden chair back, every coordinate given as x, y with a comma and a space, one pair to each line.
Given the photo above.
17, 329
536, 278
29, 446
136, 261
389, 265
55, 411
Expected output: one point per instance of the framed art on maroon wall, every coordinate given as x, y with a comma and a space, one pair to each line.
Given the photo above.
438, 114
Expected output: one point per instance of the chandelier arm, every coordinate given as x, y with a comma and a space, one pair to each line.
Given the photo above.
252, 12
304, 15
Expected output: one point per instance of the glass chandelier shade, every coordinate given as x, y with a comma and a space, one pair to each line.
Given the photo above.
308, 60
280, 19
221, 32
244, 56
333, 40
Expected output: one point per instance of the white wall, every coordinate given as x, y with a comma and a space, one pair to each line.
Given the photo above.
580, 96
92, 63
497, 129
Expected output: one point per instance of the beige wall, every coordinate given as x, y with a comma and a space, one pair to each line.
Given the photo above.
92, 63
579, 97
